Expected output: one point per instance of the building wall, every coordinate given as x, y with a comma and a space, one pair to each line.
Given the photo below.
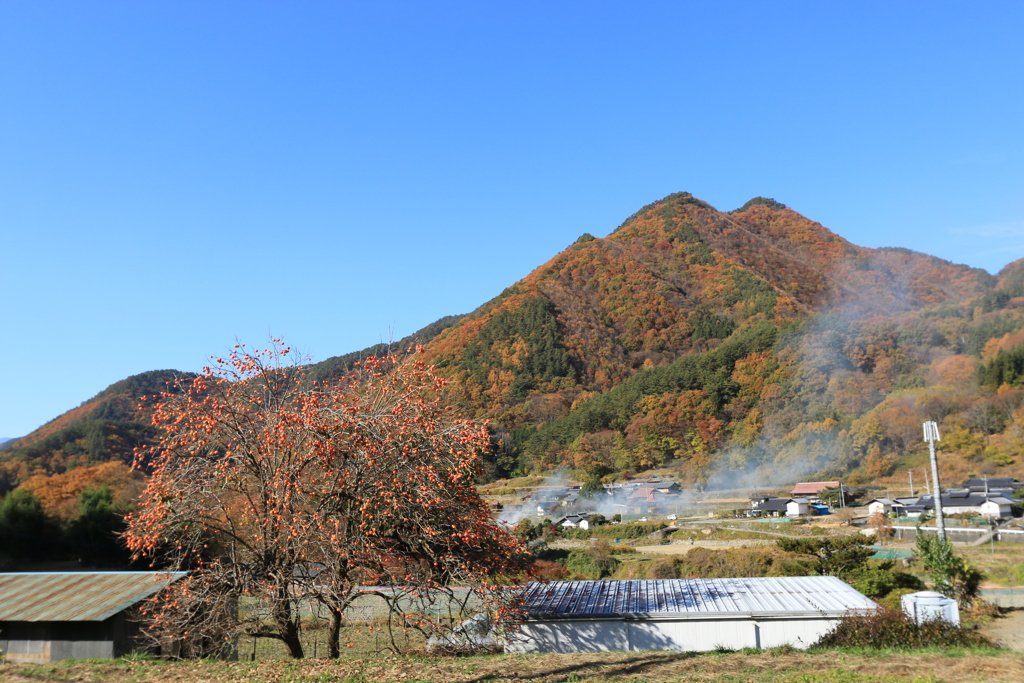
877, 508
684, 635
38, 642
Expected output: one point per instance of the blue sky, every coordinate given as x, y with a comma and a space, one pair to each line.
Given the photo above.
176, 175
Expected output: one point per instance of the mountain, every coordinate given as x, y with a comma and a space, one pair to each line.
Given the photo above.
110, 425
718, 342
748, 345
106, 427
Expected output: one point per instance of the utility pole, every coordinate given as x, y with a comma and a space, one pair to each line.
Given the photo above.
911, 473
931, 435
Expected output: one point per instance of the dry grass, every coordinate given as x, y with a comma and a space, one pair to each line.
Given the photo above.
1000, 562
781, 665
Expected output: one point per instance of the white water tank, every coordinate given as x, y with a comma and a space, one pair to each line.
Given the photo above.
929, 606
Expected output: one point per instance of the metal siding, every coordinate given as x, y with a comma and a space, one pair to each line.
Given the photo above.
689, 598
78, 596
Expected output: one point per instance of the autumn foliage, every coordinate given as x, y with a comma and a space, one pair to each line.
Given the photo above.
711, 343
274, 491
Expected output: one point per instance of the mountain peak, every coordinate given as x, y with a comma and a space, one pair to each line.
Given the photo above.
761, 201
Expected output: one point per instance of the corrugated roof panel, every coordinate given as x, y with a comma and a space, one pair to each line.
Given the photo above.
76, 596
694, 597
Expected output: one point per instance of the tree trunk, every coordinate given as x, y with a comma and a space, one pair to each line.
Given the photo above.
334, 635
290, 635
287, 625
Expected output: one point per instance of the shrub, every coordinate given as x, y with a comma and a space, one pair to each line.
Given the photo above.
664, 568
595, 562
828, 556
878, 582
707, 563
546, 570
894, 600
890, 629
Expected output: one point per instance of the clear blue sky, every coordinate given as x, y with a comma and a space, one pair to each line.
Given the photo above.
174, 175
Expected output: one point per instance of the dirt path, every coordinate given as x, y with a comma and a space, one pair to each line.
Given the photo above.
1007, 630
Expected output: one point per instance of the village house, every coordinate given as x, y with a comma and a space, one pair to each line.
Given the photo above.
961, 502
580, 521
1004, 485
813, 489
767, 506
880, 506
798, 507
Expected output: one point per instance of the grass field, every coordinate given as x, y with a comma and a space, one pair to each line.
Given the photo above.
783, 666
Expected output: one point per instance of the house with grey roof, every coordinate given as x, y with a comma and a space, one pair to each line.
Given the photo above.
957, 502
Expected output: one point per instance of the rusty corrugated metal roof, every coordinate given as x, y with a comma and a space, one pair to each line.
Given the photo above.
76, 596
694, 598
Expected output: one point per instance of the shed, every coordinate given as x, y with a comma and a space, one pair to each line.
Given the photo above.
880, 506
683, 614
48, 616
797, 507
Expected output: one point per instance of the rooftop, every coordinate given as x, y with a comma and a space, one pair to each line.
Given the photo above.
76, 596
814, 487
694, 598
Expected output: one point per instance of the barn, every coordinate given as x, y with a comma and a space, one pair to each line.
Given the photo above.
45, 616
683, 614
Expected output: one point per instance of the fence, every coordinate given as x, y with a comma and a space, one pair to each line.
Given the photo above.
363, 629
963, 534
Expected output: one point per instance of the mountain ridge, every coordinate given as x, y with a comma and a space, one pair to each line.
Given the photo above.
697, 337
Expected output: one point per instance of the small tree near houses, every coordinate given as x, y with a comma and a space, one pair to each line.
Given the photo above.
272, 491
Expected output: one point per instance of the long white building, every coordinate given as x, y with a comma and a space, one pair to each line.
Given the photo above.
683, 614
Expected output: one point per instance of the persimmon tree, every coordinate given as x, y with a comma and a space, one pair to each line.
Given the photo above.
272, 490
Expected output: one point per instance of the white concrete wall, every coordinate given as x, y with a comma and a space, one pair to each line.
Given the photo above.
689, 635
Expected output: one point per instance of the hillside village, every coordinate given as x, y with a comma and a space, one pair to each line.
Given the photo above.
987, 500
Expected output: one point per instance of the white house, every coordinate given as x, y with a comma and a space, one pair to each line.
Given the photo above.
997, 507
797, 507
575, 522
880, 506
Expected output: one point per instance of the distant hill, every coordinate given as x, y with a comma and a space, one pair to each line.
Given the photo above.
5, 439
109, 426
104, 428
749, 345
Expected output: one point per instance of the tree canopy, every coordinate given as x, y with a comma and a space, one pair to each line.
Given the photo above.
274, 490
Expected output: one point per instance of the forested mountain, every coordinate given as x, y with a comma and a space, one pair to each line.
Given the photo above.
110, 425
752, 342
755, 341
106, 427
